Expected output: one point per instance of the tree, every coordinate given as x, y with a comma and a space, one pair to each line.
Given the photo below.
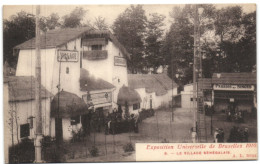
49, 23
74, 19
178, 46
153, 41
100, 23
129, 28
20, 28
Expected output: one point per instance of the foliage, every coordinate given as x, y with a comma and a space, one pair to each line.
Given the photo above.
227, 38
129, 28
100, 23
49, 23
74, 19
20, 28
94, 152
178, 46
145, 113
153, 41
128, 147
22, 152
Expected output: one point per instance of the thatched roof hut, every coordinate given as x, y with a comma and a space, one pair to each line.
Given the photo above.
67, 104
128, 95
22, 88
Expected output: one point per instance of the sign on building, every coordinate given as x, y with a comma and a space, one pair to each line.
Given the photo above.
98, 98
68, 56
119, 61
230, 87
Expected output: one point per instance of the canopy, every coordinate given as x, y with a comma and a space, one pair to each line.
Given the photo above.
68, 105
128, 95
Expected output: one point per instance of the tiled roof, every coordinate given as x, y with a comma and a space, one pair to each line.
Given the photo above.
158, 83
234, 78
22, 88
59, 37
90, 83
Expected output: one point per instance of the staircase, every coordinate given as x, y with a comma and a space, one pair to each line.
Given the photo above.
201, 120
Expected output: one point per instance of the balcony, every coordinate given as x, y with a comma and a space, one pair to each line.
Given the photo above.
95, 55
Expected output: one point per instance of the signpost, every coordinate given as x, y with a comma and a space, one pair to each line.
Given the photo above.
119, 61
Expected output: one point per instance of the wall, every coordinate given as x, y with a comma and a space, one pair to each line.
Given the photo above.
106, 70
7, 133
26, 65
66, 128
25, 109
50, 68
186, 100
157, 101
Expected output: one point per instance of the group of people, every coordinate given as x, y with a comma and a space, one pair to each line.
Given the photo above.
219, 135
115, 123
236, 116
238, 135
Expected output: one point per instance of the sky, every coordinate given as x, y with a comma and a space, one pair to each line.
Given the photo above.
109, 12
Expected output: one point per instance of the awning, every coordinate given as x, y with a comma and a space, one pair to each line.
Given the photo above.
128, 95
69, 105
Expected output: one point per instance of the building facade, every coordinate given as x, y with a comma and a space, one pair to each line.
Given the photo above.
88, 63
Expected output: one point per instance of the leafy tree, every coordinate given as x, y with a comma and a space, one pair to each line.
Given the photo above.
49, 23
74, 19
153, 41
178, 46
20, 28
100, 23
129, 28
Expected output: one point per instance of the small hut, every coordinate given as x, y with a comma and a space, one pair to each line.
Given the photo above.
129, 99
66, 111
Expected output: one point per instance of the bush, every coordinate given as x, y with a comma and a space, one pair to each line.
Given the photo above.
128, 147
94, 151
22, 152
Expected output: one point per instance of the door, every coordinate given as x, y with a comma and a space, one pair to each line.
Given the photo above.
58, 129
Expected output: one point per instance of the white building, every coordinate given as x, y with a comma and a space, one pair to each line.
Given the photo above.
156, 90
19, 109
77, 60
187, 96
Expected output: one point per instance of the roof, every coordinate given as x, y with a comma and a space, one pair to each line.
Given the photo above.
59, 37
128, 95
205, 83
22, 88
67, 104
90, 83
158, 83
234, 78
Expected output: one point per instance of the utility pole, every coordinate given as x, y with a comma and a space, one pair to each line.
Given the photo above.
195, 59
37, 144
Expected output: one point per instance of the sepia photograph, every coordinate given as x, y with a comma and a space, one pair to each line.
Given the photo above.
129, 82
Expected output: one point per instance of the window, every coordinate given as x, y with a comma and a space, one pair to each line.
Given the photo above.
24, 130
136, 106
67, 70
75, 120
96, 47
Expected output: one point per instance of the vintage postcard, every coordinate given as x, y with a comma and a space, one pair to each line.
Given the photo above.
114, 83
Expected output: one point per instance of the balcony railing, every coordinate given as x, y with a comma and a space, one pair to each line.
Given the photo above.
95, 54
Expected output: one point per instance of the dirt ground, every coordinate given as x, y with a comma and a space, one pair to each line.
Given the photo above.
154, 129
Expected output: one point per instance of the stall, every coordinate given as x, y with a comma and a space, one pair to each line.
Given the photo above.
234, 91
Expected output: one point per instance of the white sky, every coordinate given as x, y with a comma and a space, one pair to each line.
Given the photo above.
109, 12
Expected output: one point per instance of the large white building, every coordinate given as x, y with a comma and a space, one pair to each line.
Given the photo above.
84, 62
